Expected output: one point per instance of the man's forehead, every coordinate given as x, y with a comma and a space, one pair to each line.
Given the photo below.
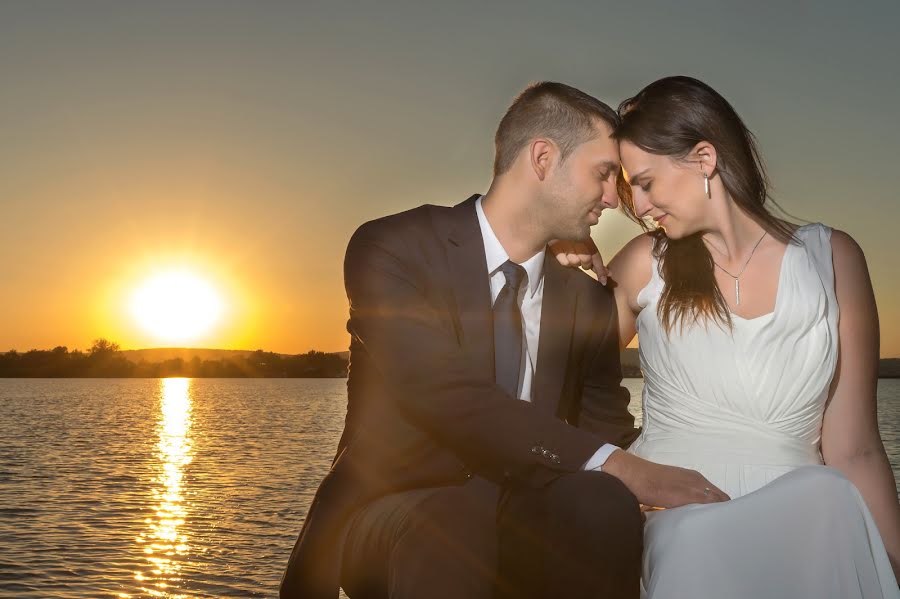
603, 150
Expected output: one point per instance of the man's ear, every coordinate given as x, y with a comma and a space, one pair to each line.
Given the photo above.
542, 153
704, 157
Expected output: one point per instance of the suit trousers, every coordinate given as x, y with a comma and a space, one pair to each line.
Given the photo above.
579, 536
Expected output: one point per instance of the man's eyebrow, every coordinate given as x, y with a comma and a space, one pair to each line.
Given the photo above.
610, 164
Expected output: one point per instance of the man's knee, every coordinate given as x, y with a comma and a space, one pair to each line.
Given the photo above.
597, 502
583, 532
447, 547
370, 541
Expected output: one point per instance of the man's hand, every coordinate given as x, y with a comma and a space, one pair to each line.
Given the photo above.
580, 253
661, 486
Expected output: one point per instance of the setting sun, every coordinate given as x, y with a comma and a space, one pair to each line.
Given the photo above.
176, 306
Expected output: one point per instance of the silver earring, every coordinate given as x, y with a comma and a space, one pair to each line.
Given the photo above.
706, 185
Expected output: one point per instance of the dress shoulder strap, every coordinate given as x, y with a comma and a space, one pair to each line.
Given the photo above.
653, 289
816, 238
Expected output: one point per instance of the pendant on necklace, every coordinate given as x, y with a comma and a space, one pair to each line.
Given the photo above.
737, 292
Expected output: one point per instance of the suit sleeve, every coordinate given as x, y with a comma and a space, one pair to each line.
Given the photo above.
429, 373
604, 401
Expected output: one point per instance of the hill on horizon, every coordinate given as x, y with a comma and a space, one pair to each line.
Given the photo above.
161, 354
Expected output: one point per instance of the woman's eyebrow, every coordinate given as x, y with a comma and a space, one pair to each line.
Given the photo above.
632, 180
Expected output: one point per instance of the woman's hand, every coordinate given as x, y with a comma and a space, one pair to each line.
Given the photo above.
580, 253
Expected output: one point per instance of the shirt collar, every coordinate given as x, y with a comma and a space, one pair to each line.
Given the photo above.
496, 255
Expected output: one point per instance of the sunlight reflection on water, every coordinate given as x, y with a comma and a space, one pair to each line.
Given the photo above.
166, 543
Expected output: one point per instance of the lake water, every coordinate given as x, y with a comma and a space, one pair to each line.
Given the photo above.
177, 488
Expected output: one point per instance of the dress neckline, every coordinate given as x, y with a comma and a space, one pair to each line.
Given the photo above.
779, 285
736, 317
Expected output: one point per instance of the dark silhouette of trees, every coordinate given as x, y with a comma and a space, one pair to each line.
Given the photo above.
104, 359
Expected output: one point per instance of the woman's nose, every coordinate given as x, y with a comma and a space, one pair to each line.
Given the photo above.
642, 205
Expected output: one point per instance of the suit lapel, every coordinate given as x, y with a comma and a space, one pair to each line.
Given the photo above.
470, 286
557, 320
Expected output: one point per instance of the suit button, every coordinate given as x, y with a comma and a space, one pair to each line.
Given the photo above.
468, 475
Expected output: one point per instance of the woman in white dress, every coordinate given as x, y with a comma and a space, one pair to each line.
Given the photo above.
759, 349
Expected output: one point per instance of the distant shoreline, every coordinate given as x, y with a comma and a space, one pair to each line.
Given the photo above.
106, 360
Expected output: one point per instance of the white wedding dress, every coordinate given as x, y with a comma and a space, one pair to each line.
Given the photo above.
745, 410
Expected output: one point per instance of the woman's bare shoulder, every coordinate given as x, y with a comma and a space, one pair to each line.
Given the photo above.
631, 267
849, 261
842, 243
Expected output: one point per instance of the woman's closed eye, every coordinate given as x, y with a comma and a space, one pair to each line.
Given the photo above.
642, 182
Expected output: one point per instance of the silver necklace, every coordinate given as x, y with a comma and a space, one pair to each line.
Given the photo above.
737, 282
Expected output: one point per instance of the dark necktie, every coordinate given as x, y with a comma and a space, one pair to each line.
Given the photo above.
508, 330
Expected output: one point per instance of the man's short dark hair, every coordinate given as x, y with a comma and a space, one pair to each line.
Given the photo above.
556, 111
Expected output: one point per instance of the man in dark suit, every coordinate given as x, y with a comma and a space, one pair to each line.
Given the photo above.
482, 449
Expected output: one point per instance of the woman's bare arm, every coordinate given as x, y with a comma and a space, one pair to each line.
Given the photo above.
851, 442
629, 272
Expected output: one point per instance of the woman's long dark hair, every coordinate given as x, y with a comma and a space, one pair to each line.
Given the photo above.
670, 117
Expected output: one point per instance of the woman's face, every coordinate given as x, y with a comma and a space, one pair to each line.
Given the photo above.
670, 191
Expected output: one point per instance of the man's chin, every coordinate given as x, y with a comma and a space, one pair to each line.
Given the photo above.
582, 234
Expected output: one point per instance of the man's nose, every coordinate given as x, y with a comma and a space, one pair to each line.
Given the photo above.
610, 197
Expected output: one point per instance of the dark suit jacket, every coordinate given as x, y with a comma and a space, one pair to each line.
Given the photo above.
423, 408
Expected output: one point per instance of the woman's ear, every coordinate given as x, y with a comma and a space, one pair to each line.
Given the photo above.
704, 156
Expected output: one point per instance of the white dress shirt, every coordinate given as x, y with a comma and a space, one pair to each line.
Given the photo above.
531, 296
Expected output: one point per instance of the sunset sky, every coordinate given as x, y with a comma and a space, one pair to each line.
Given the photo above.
242, 143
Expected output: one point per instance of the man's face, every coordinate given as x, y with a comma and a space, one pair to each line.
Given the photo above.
584, 185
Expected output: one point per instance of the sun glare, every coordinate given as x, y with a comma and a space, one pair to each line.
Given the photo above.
176, 306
